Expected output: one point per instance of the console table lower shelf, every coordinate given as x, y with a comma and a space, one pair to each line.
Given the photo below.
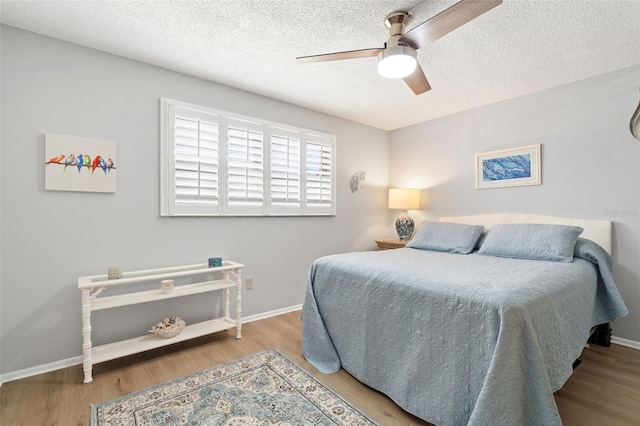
147, 342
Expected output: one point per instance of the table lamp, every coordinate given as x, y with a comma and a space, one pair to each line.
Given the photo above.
405, 199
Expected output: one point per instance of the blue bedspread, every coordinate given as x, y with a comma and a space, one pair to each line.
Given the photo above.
458, 339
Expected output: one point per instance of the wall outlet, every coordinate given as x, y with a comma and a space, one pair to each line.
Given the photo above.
249, 283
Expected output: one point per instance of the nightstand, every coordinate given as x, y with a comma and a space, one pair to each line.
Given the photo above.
389, 244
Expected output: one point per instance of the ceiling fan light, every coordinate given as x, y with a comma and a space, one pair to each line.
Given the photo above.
397, 62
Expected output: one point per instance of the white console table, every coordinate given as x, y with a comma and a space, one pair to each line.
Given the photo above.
91, 286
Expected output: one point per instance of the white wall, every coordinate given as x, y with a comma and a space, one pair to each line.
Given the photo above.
50, 238
0, 222
590, 165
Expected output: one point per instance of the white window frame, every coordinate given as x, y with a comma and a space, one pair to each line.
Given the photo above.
169, 206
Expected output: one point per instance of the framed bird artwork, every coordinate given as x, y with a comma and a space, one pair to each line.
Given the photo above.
74, 163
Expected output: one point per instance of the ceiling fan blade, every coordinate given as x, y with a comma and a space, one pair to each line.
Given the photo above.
447, 21
417, 81
337, 56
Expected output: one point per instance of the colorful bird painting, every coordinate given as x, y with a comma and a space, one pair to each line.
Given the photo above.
55, 159
81, 161
95, 163
69, 161
103, 165
75, 163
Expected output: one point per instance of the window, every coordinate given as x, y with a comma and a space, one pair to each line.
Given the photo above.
195, 159
245, 166
319, 179
216, 163
285, 168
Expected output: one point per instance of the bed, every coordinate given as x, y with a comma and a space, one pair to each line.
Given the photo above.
474, 338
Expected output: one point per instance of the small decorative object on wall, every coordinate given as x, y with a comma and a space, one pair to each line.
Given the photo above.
508, 167
356, 181
79, 164
405, 199
634, 125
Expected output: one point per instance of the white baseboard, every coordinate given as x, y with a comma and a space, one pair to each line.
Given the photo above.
77, 360
625, 342
40, 369
264, 315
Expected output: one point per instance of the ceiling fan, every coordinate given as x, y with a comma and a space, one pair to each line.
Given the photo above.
398, 57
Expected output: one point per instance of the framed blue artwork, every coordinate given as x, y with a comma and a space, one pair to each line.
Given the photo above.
508, 167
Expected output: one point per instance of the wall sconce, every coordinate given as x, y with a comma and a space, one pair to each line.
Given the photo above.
634, 125
405, 199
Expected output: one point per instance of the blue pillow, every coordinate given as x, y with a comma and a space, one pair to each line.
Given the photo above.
483, 235
532, 241
447, 237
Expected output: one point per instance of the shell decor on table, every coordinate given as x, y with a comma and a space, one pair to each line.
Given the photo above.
168, 328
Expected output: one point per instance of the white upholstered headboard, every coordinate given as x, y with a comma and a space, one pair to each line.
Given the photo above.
598, 231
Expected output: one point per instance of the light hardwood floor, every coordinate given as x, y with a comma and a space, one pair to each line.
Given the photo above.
604, 390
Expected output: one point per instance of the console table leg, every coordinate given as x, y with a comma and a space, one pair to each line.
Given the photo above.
87, 364
226, 303
238, 304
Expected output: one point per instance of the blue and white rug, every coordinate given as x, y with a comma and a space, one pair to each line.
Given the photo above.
261, 389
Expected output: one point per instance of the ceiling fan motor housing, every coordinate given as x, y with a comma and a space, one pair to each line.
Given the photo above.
397, 60
397, 23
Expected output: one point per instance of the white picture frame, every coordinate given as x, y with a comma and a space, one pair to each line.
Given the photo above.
508, 167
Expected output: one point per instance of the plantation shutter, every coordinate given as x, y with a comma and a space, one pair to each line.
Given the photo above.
285, 169
216, 163
245, 166
319, 172
196, 159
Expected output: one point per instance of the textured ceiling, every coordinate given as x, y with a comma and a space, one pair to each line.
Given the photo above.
520, 47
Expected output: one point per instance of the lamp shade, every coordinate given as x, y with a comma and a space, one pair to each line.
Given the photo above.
403, 198
397, 62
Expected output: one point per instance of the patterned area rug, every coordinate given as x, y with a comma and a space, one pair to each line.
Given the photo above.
261, 389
